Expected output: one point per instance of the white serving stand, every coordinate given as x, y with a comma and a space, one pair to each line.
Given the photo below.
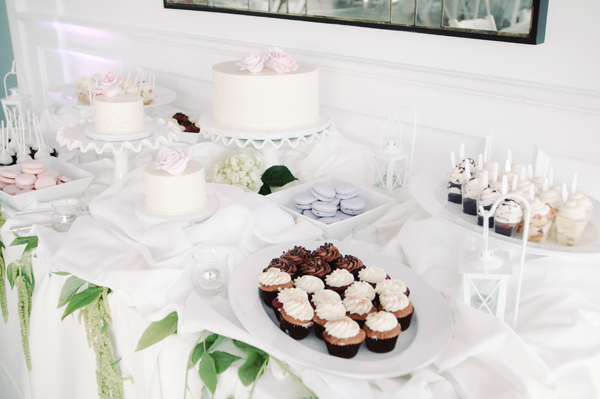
73, 136
269, 142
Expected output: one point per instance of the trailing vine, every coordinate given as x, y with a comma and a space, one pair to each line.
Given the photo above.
2, 284
92, 304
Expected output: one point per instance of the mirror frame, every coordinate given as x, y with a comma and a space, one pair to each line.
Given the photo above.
536, 35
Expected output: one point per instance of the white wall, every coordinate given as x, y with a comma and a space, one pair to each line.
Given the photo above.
462, 89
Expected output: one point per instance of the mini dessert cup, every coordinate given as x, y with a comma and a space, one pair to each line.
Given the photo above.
382, 330
327, 312
507, 217
542, 216
470, 192
456, 179
486, 199
570, 222
399, 306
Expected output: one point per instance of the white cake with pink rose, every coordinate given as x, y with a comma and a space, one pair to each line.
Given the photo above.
174, 185
266, 90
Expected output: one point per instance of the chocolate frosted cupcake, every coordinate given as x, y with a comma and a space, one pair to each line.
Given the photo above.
350, 263
399, 306
343, 337
382, 329
315, 267
271, 282
284, 265
338, 281
358, 308
297, 255
296, 318
327, 311
328, 252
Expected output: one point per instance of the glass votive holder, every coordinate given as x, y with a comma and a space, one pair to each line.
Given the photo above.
210, 272
366, 233
64, 213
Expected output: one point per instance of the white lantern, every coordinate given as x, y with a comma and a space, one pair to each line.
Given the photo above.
391, 165
17, 104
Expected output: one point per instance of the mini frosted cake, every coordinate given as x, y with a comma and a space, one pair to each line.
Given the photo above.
174, 185
119, 115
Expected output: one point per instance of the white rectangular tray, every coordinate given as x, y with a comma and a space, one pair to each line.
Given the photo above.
73, 189
381, 203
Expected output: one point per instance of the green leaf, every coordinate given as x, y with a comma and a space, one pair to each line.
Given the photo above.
264, 190
253, 365
69, 290
212, 341
277, 176
223, 360
61, 273
31, 241
104, 328
208, 372
82, 299
9, 274
116, 362
158, 330
197, 354
245, 347
2, 245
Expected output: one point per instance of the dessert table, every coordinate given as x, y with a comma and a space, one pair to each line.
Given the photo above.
553, 351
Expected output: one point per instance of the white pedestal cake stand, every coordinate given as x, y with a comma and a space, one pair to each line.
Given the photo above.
269, 142
73, 136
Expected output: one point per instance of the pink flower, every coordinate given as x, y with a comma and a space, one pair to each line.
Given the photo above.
109, 85
173, 162
280, 61
253, 61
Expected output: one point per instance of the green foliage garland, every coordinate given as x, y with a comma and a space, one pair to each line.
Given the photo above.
92, 304
3, 285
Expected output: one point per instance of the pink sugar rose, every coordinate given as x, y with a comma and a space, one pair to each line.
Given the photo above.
173, 162
253, 61
109, 85
280, 61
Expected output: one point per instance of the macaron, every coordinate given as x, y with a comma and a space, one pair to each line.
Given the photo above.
44, 182
33, 167
64, 179
309, 214
336, 202
345, 190
11, 189
8, 176
25, 181
322, 191
323, 209
304, 200
329, 220
2, 184
353, 206
49, 172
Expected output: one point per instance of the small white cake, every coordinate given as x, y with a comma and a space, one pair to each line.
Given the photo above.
265, 100
175, 194
119, 115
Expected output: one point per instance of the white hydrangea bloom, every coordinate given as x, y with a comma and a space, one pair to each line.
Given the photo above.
240, 169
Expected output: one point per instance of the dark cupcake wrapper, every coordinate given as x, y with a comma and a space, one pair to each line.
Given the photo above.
339, 290
293, 330
276, 305
405, 321
381, 345
344, 351
318, 329
268, 296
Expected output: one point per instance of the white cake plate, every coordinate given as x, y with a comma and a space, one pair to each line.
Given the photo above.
73, 136
267, 141
92, 133
196, 217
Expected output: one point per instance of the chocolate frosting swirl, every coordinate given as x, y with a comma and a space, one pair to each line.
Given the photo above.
297, 255
348, 262
328, 252
315, 267
283, 265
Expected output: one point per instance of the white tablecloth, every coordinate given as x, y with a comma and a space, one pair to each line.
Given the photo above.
552, 353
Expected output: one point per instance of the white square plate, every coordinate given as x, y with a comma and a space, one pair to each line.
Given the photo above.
381, 203
73, 189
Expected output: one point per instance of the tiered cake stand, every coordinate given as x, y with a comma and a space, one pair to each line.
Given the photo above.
73, 136
270, 141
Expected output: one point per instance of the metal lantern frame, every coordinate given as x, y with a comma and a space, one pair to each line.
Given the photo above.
500, 276
384, 176
21, 106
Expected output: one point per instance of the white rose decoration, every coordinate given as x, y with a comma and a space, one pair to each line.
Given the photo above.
173, 162
280, 61
253, 61
109, 85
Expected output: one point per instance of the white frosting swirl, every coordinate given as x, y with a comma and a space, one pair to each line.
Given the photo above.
392, 285
372, 274
326, 296
572, 210
458, 175
473, 188
357, 304
538, 182
342, 328
472, 165
292, 294
393, 302
330, 311
509, 211
173, 162
551, 198
381, 321
362, 289
274, 276
339, 278
488, 196
582, 200
539, 208
299, 309
310, 284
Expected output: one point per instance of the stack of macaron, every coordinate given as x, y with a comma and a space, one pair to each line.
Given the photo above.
32, 176
343, 301
328, 204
